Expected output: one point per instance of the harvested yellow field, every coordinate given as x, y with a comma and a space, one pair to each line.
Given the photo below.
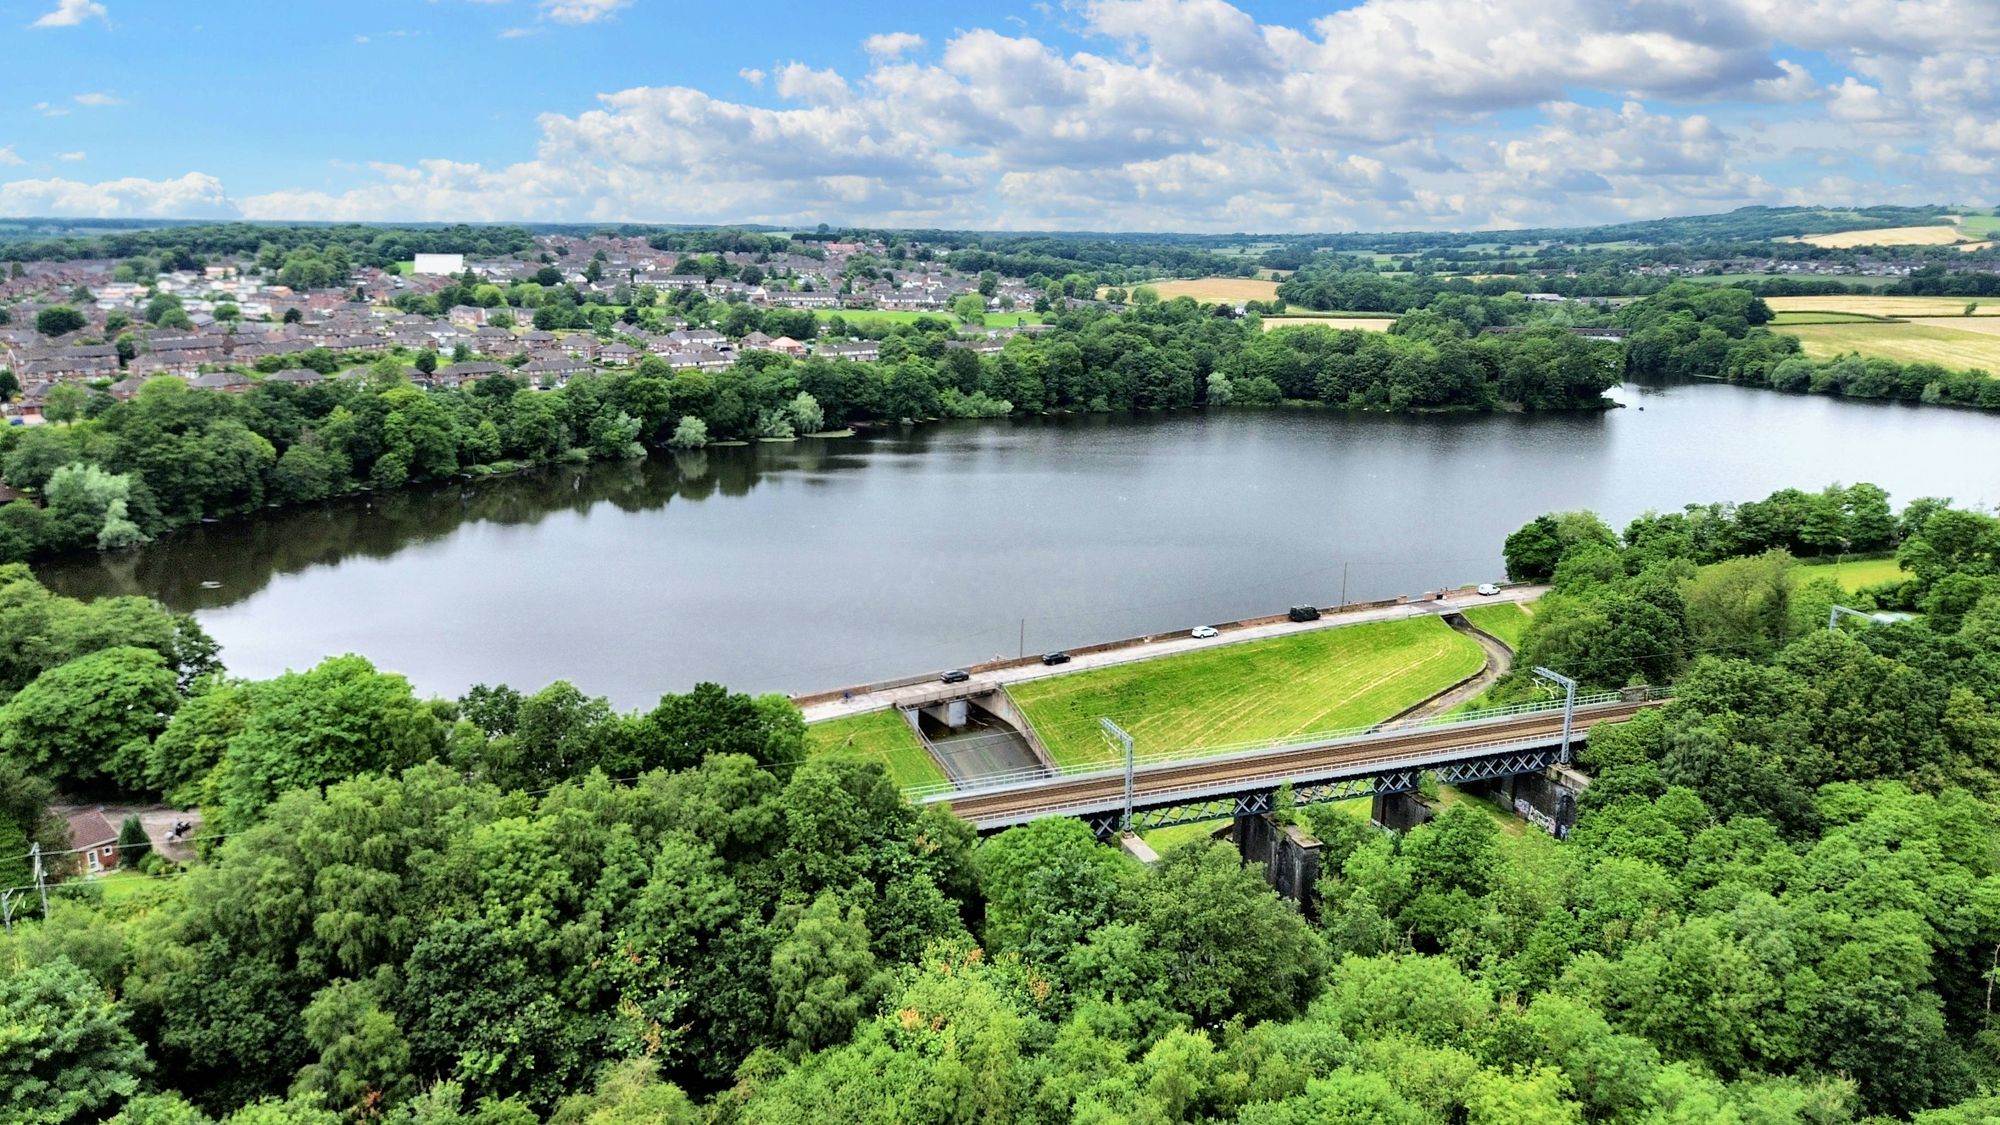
1213, 290
1363, 323
1868, 305
1904, 342
1886, 236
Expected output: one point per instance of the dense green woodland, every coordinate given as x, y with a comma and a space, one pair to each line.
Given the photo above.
1782, 901
127, 470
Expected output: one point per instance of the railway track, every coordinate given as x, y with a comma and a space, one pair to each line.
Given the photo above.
1186, 779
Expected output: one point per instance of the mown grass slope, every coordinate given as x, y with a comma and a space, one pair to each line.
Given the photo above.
882, 735
1316, 680
1505, 620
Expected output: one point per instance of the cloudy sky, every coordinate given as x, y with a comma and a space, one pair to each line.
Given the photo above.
1085, 114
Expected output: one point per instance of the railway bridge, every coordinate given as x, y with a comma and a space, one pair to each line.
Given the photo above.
1384, 764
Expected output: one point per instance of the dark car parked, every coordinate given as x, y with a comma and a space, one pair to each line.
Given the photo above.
1056, 658
956, 676
1304, 613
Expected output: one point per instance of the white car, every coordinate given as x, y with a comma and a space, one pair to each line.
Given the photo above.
1203, 632
1488, 589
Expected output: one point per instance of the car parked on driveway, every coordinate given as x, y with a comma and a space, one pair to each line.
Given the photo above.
1203, 632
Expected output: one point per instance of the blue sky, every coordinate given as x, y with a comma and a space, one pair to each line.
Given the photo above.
1107, 114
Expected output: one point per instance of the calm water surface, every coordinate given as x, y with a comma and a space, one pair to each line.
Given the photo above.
825, 562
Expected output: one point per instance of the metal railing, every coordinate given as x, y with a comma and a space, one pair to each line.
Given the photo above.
918, 793
1198, 790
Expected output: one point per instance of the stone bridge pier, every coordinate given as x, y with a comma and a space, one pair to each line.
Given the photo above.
1288, 854
1546, 799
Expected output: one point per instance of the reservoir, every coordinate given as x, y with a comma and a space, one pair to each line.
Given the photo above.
808, 565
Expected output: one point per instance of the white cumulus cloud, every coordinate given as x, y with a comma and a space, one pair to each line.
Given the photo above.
70, 13
191, 196
1196, 114
892, 44
582, 11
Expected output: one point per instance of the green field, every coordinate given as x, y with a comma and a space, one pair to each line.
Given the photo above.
882, 735
1855, 573
1980, 226
1505, 620
1321, 679
1904, 342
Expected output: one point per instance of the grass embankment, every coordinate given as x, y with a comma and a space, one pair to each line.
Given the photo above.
1321, 679
884, 736
1505, 620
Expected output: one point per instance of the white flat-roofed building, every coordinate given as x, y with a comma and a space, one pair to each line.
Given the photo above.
439, 263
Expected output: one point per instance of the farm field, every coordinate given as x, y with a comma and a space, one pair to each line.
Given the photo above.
1952, 347
1854, 573
882, 735
1323, 679
1804, 317
1505, 620
1358, 323
1940, 235
1214, 289
1868, 305
1986, 326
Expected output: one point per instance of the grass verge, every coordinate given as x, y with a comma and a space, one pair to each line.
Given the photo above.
882, 735
1505, 620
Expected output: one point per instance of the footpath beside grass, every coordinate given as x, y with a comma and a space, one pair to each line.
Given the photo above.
1320, 679
1505, 620
884, 736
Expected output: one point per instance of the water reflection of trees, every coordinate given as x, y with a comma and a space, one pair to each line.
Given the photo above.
243, 555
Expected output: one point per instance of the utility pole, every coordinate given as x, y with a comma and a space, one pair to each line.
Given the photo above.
1343, 587
1114, 736
1024, 638
1569, 703
7, 918
41, 879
